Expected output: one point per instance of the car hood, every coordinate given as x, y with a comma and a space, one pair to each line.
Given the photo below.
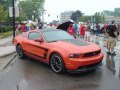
76, 46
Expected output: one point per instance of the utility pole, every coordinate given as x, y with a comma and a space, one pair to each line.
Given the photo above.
34, 15
13, 9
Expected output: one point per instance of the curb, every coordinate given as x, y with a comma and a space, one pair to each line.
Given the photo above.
7, 62
5, 55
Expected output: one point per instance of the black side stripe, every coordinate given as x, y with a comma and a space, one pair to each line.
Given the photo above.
32, 54
45, 51
38, 57
38, 47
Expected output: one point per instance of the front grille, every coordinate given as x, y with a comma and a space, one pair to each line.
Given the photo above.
92, 54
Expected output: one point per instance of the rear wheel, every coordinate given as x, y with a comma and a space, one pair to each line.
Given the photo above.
20, 52
57, 63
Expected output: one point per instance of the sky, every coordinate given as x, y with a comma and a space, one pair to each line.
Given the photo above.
88, 7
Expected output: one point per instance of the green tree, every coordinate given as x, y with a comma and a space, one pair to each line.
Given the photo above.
5, 4
3, 15
98, 17
76, 15
85, 18
32, 8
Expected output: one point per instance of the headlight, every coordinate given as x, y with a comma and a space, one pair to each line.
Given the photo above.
74, 55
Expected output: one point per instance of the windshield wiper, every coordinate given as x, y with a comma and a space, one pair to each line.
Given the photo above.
53, 41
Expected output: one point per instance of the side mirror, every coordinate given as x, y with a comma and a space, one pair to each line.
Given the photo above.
38, 40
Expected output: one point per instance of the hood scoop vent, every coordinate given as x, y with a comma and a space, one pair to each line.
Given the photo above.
76, 42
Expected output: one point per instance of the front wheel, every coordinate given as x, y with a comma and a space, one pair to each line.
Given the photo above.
20, 52
57, 63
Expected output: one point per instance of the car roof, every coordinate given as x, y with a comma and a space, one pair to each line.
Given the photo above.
49, 29
44, 30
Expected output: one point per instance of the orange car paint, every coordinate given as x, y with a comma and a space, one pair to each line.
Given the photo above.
43, 50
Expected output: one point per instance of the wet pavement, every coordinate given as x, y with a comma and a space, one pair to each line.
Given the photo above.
33, 75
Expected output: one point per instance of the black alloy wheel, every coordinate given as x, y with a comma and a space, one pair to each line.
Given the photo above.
57, 63
20, 52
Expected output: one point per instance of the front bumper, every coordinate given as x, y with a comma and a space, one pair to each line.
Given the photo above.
86, 68
81, 64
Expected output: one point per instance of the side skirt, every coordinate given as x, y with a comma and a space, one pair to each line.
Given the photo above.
36, 57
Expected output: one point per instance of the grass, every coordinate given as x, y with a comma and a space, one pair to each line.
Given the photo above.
6, 34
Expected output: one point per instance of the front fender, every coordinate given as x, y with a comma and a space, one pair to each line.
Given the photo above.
63, 53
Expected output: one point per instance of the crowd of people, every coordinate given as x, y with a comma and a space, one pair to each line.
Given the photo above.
29, 25
85, 30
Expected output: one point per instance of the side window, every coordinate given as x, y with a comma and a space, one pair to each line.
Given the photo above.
34, 35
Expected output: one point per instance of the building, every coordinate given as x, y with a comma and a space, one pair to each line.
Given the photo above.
111, 15
107, 13
110, 18
65, 16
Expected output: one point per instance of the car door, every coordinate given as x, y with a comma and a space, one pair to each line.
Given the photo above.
24, 42
36, 48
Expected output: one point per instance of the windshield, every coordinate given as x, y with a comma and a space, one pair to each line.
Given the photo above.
57, 35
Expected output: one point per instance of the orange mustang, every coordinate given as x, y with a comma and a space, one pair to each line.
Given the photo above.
59, 49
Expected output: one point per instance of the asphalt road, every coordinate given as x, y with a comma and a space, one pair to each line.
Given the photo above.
33, 75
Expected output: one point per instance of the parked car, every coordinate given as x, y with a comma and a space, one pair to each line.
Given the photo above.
59, 49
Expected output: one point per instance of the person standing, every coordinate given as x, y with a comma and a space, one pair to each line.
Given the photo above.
75, 29
97, 32
23, 28
33, 25
105, 34
82, 31
71, 30
27, 26
118, 29
87, 32
111, 31
40, 24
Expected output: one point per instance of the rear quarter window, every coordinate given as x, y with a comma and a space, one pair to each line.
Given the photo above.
24, 35
34, 35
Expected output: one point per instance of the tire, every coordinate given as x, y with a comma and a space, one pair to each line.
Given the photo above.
57, 63
20, 52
